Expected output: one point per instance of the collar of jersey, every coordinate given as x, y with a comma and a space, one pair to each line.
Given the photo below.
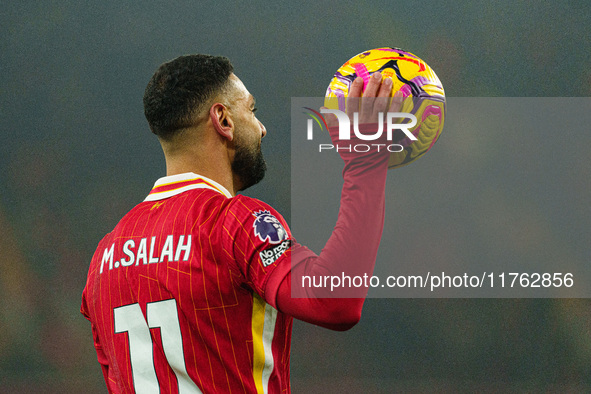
175, 184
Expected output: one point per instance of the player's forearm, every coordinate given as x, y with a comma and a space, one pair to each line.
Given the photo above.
352, 247
350, 252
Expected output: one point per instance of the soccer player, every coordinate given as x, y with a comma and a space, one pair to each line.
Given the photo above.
192, 290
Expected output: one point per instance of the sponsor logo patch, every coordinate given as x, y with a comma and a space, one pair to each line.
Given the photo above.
268, 228
269, 256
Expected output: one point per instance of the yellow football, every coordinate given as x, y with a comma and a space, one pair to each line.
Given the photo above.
420, 86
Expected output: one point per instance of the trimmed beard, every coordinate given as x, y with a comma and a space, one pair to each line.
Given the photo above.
248, 164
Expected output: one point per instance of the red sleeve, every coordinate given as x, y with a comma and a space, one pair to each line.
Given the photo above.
350, 251
259, 246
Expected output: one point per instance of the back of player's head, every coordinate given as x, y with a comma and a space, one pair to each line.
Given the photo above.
180, 88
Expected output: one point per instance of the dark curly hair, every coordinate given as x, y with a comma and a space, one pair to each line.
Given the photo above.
179, 89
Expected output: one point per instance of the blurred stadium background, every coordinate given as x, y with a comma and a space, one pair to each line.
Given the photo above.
76, 154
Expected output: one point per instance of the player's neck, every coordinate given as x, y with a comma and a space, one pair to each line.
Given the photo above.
201, 153
211, 169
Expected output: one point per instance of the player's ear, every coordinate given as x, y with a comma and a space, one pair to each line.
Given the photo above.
221, 120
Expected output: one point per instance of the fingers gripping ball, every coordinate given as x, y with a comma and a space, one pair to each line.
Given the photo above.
419, 85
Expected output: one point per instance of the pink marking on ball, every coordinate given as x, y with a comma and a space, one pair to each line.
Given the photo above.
362, 72
406, 91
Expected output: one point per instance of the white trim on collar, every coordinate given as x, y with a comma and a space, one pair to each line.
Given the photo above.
186, 177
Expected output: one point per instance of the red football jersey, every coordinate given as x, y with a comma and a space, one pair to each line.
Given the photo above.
181, 293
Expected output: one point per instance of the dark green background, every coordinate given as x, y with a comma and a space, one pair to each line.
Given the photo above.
76, 155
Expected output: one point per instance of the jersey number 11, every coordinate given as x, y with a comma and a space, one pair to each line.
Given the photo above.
162, 314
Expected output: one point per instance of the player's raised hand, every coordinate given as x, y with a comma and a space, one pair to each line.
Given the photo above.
375, 98
369, 102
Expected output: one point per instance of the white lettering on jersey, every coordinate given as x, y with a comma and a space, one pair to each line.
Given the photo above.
147, 252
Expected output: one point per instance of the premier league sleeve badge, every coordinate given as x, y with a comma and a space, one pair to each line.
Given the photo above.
268, 228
